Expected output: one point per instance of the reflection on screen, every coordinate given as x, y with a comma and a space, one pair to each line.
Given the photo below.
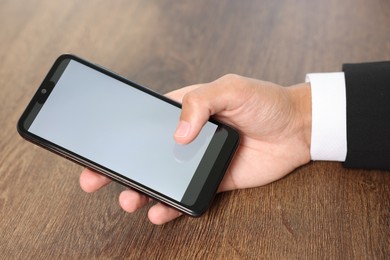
120, 128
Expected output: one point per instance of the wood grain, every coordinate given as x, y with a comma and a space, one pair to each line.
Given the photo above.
319, 211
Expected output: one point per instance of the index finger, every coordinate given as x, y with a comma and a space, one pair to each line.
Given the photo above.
91, 181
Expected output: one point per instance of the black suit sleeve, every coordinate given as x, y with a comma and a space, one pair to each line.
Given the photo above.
368, 115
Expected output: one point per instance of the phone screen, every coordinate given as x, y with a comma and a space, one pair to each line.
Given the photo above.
121, 128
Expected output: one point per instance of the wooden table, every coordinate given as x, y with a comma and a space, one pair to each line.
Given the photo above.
319, 211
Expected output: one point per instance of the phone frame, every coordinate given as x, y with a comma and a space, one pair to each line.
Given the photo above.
212, 182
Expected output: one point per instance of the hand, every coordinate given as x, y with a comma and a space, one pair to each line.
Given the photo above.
274, 123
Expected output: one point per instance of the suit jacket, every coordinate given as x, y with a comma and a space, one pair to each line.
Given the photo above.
368, 115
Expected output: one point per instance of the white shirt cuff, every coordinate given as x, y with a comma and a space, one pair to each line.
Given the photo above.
329, 112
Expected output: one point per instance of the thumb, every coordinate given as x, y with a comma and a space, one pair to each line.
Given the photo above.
197, 107
193, 116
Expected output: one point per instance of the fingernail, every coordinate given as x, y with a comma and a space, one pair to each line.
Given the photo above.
182, 129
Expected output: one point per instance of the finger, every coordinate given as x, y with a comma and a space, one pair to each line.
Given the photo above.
91, 181
201, 103
160, 214
131, 201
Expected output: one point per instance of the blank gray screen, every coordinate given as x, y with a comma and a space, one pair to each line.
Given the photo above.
121, 128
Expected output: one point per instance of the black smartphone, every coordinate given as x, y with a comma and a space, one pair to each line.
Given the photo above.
112, 125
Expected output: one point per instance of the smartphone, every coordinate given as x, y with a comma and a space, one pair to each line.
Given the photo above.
120, 129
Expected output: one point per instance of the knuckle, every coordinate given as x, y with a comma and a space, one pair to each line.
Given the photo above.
233, 83
232, 78
191, 99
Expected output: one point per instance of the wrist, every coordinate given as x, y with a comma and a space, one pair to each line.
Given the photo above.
301, 100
